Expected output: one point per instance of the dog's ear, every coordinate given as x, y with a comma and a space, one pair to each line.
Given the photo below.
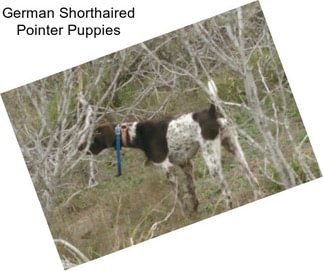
103, 137
108, 135
212, 110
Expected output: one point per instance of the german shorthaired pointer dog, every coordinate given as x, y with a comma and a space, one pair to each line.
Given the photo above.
171, 142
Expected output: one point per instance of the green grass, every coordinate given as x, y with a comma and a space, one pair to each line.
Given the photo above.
120, 211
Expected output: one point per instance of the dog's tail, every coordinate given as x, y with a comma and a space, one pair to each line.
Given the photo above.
212, 91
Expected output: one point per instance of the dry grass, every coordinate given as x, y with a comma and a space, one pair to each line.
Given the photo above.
119, 212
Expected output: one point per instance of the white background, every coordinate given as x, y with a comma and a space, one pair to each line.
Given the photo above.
281, 232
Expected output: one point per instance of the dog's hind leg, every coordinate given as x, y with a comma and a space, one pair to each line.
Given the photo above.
169, 169
229, 140
187, 168
211, 151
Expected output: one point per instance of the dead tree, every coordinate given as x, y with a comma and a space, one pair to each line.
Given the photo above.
234, 43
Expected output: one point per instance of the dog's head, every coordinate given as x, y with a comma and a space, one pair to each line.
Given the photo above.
103, 137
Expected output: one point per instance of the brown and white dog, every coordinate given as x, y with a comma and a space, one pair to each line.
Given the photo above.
170, 142
173, 142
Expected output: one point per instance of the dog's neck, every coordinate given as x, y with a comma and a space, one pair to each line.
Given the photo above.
125, 140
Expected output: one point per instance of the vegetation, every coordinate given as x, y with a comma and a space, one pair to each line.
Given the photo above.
99, 213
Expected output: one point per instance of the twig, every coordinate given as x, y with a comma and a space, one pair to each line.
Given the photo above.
72, 248
157, 223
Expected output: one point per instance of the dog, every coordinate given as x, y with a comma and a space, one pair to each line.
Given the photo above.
171, 142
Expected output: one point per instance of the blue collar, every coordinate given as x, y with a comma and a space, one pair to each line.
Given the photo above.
117, 131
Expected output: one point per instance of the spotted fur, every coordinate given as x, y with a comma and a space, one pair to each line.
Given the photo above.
173, 142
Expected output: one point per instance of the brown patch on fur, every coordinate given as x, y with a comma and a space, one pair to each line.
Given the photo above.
103, 138
207, 120
151, 138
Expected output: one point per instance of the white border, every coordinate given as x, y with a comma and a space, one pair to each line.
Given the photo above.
282, 232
